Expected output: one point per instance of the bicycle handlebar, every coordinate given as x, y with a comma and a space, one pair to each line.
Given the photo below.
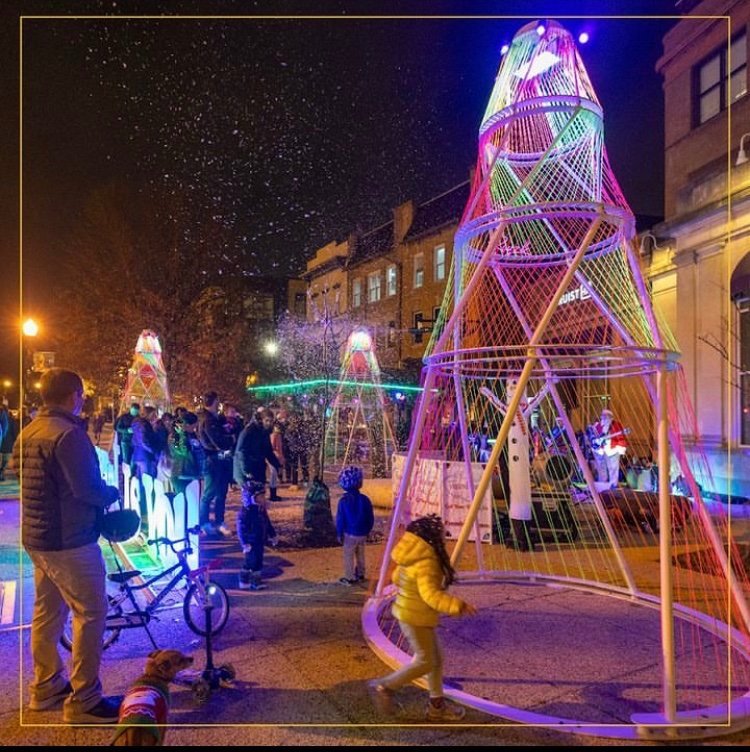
169, 542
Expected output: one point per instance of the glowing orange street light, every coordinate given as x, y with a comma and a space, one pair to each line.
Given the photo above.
30, 328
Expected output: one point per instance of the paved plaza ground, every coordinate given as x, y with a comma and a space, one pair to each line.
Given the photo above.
302, 662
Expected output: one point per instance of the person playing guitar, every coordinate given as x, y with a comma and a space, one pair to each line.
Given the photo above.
609, 444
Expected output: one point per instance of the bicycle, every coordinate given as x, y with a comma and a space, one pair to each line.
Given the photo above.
200, 591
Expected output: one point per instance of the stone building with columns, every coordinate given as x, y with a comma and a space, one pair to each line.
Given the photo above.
697, 260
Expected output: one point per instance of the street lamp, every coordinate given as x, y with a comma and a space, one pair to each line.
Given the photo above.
271, 348
30, 328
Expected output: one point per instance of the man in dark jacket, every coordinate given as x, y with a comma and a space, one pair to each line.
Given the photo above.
217, 443
254, 448
186, 452
63, 498
124, 430
250, 455
145, 443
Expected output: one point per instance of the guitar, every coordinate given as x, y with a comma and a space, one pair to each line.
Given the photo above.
599, 443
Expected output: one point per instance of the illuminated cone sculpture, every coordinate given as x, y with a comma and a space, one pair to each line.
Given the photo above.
545, 322
147, 378
359, 429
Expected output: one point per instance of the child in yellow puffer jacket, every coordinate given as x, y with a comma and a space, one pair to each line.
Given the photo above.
422, 574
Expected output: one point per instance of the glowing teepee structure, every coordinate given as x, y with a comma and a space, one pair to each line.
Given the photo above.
359, 429
545, 322
147, 378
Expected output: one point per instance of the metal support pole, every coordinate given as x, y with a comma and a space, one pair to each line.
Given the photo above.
665, 551
708, 524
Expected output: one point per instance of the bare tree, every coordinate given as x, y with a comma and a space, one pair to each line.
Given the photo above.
130, 268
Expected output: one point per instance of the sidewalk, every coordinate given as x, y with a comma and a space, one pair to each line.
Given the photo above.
301, 661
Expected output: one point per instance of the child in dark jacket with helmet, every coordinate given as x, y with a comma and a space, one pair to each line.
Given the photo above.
354, 521
251, 531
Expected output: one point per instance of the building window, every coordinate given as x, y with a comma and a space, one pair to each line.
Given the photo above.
300, 303
744, 332
419, 328
419, 270
720, 77
258, 306
390, 280
373, 287
356, 293
439, 263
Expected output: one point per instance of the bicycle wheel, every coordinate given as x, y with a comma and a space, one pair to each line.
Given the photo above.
195, 612
110, 633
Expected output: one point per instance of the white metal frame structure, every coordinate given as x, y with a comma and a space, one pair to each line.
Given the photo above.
359, 410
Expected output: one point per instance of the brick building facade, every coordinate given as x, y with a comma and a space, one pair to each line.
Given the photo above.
392, 277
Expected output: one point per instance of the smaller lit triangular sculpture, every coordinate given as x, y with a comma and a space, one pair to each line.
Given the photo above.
147, 378
359, 429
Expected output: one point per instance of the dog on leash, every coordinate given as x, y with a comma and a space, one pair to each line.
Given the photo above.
145, 707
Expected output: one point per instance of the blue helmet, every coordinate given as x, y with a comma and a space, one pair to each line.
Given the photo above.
350, 478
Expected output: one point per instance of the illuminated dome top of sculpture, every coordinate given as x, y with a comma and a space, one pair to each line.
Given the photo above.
538, 65
360, 339
148, 342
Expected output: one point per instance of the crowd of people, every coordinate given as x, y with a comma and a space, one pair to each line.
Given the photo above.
207, 444
216, 445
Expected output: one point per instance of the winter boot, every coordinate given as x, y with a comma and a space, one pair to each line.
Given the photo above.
246, 579
274, 496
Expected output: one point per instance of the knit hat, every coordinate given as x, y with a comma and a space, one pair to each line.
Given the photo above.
350, 478
607, 411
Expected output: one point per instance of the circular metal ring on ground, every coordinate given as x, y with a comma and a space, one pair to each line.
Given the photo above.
602, 660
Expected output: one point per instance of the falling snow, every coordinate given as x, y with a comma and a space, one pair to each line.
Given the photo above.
276, 136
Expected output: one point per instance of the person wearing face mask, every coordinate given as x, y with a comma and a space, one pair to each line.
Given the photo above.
63, 500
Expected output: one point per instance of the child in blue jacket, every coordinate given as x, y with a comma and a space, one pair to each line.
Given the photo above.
251, 531
354, 521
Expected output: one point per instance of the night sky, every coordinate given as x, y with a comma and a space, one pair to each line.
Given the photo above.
282, 134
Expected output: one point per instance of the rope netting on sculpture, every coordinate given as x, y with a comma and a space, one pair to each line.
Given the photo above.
359, 429
556, 439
